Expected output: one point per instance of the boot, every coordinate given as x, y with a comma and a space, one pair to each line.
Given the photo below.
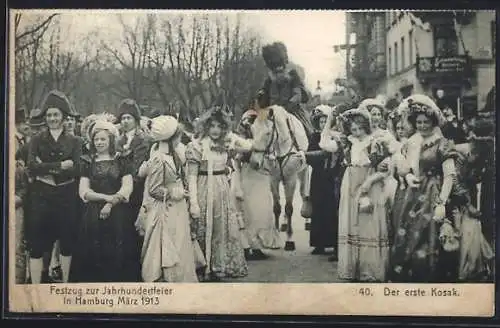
318, 251
257, 254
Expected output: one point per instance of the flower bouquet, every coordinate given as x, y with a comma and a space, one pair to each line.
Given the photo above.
365, 204
449, 237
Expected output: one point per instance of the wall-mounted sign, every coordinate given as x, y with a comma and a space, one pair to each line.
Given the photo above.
432, 67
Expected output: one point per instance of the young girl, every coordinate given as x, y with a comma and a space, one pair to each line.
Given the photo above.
105, 231
363, 224
167, 252
216, 226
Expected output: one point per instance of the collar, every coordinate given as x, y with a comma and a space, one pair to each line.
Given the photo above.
432, 139
365, 142
56, 133
130, 134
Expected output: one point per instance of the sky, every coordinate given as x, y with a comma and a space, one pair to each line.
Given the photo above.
308, 35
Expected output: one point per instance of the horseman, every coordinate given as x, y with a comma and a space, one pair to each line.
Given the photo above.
284, 85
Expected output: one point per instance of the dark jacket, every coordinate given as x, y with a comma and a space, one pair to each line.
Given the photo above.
52, 153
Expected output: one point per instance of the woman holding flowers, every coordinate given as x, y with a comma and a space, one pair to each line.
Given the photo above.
429, 172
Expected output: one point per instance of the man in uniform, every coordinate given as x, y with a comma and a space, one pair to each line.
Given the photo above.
284, 85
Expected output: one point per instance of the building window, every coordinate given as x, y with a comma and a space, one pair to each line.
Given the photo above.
493, 39
410, 47
396, 62
445, 40
403, 61
389, 65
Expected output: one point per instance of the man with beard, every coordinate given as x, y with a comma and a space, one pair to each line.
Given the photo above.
284, 86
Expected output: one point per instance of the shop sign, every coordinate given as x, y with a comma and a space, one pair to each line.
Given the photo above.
435, 67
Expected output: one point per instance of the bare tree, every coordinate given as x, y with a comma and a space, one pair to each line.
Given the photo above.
32, 33
132, 61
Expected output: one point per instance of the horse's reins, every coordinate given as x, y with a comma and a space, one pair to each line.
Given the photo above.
281, 159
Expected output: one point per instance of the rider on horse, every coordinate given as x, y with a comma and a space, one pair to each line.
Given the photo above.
284, 86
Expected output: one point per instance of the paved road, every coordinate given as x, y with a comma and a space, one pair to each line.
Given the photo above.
292, 267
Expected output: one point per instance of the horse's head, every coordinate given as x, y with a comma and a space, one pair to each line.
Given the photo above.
264, 133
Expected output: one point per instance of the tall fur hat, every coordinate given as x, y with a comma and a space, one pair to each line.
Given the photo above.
129, 106
275, 55
57, 99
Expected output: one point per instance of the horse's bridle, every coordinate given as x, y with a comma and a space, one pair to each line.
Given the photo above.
282, 159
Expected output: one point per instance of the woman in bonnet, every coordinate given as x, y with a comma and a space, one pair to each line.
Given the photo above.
216, 226
429, 172
324, 156
105, 230
167, 252
363, 252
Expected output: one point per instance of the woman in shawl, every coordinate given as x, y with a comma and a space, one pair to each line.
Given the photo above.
216, 226
105, 230
363, 219
429, 172
325, 158
167, 252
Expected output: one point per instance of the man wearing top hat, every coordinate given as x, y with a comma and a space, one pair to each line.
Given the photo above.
133, 149
53, 163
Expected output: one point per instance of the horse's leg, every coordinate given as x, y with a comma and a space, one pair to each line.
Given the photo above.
275, 191
290, 184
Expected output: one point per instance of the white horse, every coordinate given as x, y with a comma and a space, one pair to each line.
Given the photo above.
280, 141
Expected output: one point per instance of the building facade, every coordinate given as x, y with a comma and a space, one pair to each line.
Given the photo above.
435, 53
368, 63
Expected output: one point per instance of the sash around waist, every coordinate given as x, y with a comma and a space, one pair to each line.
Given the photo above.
219, 172
50, 181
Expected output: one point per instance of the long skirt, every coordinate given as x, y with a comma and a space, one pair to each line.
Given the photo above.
475, 252
363, 250
167, 252
325, 197
220, 238
103, 245
258, 209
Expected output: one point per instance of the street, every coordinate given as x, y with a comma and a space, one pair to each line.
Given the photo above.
292, 267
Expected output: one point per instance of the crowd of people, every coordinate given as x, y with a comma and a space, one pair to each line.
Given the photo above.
126, 198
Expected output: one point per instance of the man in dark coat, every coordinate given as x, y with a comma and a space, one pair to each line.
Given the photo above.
284, 85
133, 149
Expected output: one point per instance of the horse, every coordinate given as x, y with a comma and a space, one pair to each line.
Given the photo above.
280, 138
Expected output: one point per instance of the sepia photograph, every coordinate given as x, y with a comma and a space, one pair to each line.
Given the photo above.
284, 162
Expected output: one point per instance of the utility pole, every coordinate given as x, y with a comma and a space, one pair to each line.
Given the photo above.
347, 46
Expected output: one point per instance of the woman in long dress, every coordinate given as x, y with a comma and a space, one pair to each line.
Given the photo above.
257, 198
363, 218
105, 230
216, 226
429, 171
167, 252
325, 158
